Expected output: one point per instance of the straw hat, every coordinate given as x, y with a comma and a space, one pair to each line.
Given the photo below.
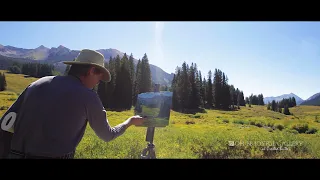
91, 57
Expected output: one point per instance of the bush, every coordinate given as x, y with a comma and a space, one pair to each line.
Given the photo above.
293, 131
238, 122
279, 126
4, 107
198, 116
311, 131
259, 124
270, 124
12, 99
190, 122
225, 121
301, 128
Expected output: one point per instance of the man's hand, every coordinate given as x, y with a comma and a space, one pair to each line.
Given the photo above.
136, 120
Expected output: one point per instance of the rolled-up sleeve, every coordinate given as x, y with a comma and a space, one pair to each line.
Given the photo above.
97, 118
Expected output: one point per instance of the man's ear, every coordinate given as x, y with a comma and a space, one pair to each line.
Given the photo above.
91, 70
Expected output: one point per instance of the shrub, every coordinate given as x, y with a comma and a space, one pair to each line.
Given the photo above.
279, 126
293, 131
259, 124
225, 121
270, 124
12, 99
3, 107
301, 128
238, 122
311, 131
190, 122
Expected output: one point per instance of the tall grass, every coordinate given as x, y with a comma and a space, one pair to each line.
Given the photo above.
210, 136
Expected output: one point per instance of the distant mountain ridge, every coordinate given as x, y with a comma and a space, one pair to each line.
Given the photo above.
284, 96
55, 55
314, 100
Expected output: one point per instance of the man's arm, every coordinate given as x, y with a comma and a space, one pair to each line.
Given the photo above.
97, 117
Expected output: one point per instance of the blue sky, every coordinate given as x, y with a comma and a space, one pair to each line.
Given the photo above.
272, 58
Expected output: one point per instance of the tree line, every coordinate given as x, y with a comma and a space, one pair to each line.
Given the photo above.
36, 70
255, 100
282, 106
3, 82
191, 93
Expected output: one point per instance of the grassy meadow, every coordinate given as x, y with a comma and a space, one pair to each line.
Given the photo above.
251, 132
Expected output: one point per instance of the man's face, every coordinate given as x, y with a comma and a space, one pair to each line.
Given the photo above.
93, 78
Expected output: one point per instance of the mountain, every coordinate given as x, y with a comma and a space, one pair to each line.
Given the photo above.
314, 100
284, 96
55, 55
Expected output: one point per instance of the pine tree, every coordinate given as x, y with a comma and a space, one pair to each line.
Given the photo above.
217, 89
294, 103
232, 92
4, 82
1, 82
210, 98
102, 92
145, 85
195, 86
226, 102
175, 103
177, 90
286, 110
205, 89
117, 65
131, 67
242, 101
238, 100
137, 82
185, 87
202, 90
273, 105
247, 100
110, 102
132, 74
123, 89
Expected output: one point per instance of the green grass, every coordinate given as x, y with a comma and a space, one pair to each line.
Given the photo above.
17, 82
209, 134
204, 135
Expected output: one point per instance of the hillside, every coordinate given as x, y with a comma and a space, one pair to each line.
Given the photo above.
55, 55
314, 100
284, 96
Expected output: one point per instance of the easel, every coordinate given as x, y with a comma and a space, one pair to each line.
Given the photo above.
149, 152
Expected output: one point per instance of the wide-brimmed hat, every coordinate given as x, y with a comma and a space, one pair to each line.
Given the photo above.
91, 57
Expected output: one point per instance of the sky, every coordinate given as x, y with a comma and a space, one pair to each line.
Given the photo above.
272, 58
